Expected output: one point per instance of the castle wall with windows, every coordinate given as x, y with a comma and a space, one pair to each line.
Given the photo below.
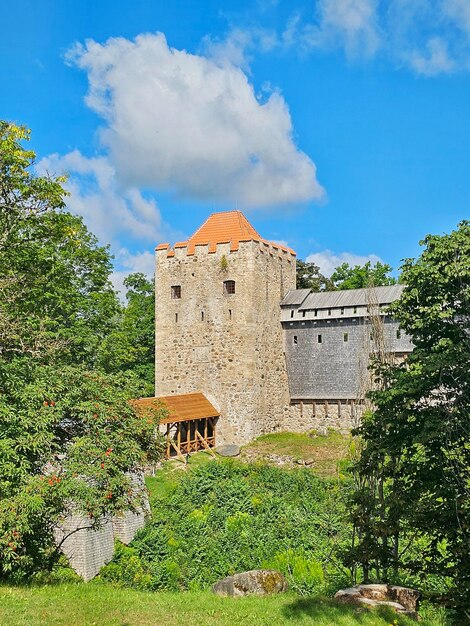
221, 334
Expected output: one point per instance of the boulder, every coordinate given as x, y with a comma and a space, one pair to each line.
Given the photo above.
401, 599
229, 449
258, 581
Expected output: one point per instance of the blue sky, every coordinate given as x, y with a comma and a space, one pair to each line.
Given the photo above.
338, 126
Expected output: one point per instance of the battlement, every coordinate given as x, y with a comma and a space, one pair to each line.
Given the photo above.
184, 249
227, 228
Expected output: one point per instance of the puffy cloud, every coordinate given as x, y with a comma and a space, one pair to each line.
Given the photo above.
113, 213
192, 125
109, 210
327, 260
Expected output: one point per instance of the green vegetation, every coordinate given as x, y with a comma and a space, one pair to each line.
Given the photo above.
344, 276
95, 604
412, 502
68, 433
326, 455
224, 517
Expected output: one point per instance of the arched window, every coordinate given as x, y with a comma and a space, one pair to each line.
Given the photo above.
229, 287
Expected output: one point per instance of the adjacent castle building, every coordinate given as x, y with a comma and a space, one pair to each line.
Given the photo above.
235, 339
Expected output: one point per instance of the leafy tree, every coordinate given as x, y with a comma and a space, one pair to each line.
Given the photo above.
131, 345
54, 285
367, 275
415, 464
68, 434
310, 277
68, 437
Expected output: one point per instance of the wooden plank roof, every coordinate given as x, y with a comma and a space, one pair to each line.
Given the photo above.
181, 408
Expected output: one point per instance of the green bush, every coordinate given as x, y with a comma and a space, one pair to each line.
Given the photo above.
227, 517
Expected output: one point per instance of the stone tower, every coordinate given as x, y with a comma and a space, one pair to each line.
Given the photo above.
218, 326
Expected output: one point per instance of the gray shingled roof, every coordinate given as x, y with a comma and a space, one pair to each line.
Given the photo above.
295, 297
342, 298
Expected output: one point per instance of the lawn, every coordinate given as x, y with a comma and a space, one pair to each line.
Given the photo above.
99, 604
324, 454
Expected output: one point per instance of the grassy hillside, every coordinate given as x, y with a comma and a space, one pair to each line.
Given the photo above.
96, 604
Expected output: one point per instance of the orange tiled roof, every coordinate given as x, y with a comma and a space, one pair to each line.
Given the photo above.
227, 227
183, 407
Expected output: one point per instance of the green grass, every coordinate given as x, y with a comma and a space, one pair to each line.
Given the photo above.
327, 453
98, 604
171, 473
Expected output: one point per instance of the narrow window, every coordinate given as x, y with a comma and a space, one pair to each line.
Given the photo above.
292, 313
316, 312
176, 318
202, 316
229, 287
342, 310
230, 314
303, 313
176, 292
398, 334
355, 309
295, 341
319, 338
345, 337
329, 311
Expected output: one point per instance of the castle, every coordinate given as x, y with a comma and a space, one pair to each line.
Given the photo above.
241, 352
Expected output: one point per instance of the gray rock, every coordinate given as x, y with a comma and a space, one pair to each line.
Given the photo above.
258, 582
229, 449
401, 599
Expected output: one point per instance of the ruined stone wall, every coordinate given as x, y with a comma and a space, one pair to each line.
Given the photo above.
227, 346
322, 415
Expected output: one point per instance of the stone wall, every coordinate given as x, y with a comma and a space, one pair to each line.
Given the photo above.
227, 346
322, 415
88, 549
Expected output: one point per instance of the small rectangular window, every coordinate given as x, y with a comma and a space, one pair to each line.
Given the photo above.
342, 310
295, 340
329, 311
176, 318
292, 313
355, 309
229, 287
176, 292
345, 337
319, 339
303, 313
230, 314
316, 312
202, 316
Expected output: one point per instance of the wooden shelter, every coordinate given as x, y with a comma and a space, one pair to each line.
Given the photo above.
190, 424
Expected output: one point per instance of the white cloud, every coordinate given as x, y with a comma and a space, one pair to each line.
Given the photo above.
351, 24
327, 260
430, 37
109, 211
193, 125
114, 214
433, 60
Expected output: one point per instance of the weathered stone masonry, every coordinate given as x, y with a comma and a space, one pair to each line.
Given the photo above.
269, 357
227, 345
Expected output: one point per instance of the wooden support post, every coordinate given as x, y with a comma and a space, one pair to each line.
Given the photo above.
168, 441
205, 429
178, 435
188, 437
204, 443
326, 408
178, 451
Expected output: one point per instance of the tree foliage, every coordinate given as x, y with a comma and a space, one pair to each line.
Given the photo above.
68, 433
415, 465
131, 344
346, 276
310, 277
